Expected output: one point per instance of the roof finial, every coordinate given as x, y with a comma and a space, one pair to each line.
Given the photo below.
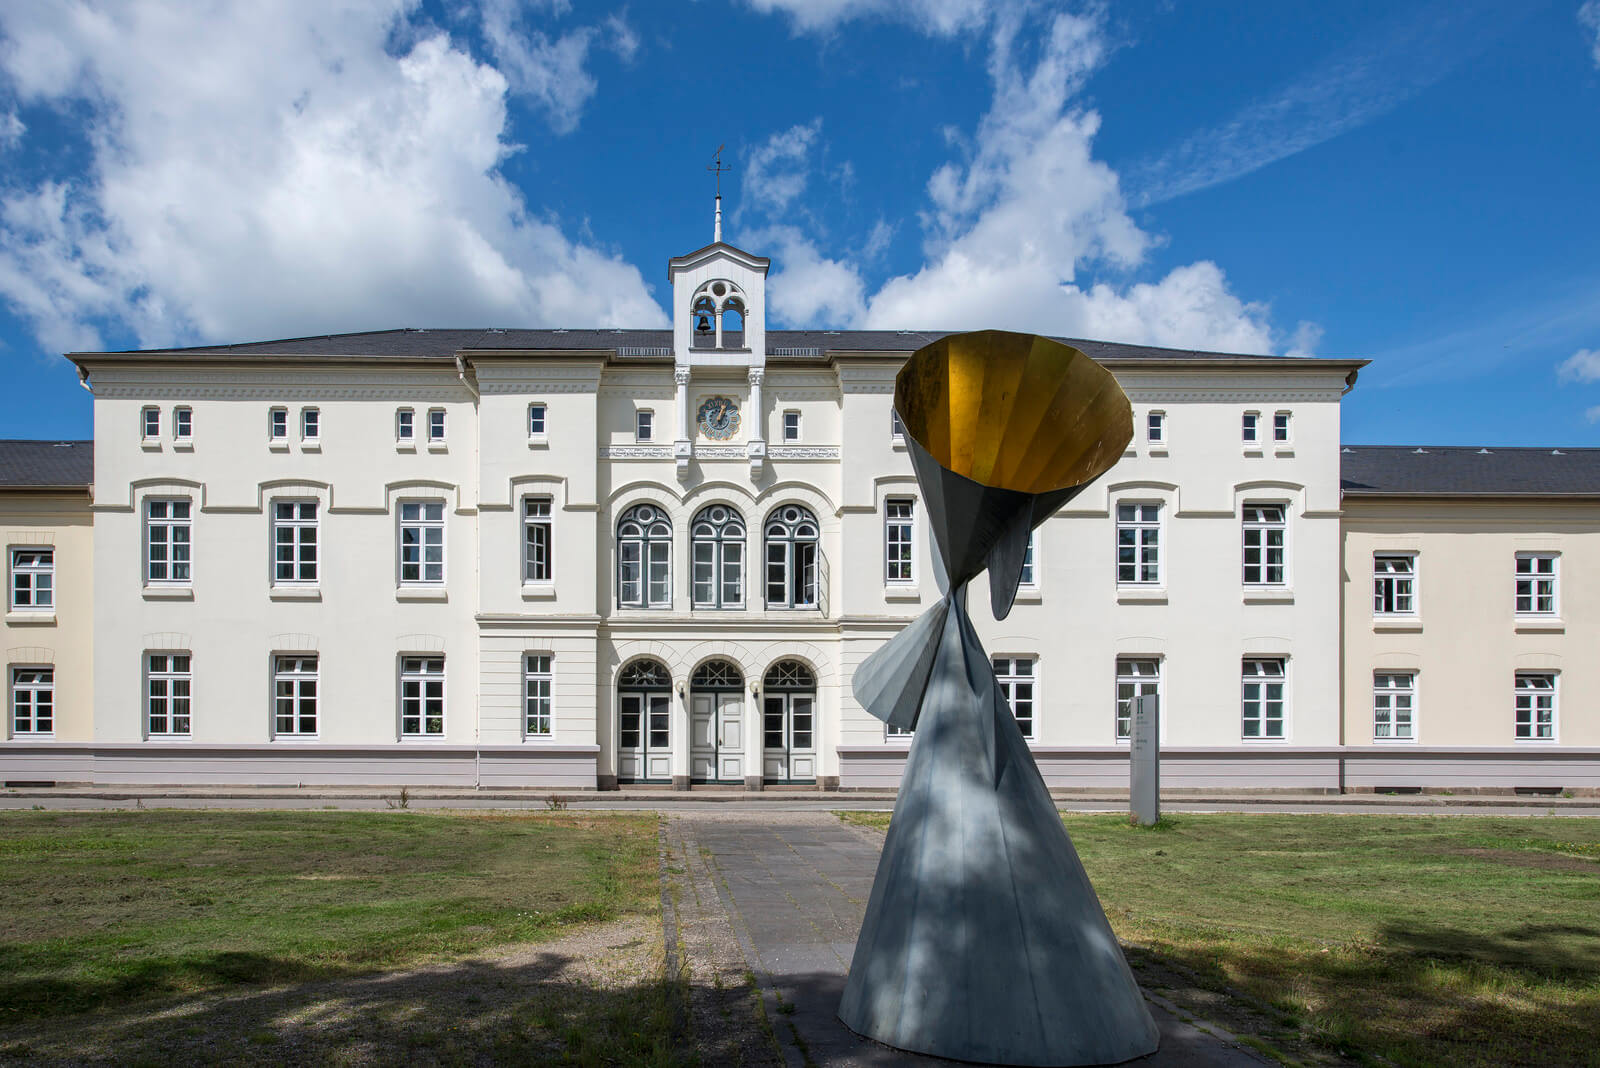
717, 168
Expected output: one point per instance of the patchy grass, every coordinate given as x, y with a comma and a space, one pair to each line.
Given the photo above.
1456, 940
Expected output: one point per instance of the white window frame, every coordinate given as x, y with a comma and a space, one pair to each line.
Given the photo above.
150, 423
1256, 671
1394, 585
304, 569
651, 554
405, 425
1029, 578
32, 563
173, 676
538, 537
1141, 535
801, 577
422, 677
277, 424
311, 424
169, 524
899, 541
1528, 695
183, 423
644, 424
1282, 427
538, 686
32, 680
1155, 427
421, 522
1394, 706
296, 683
1009, 674
897, 427
791, 424
538, 419
1250, 429
1253, 523
1542, 585
711, 550
436, 426
1138, 684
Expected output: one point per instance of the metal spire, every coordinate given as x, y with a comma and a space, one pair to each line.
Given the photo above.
717, 168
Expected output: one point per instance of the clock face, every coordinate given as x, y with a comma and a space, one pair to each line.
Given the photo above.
719, 418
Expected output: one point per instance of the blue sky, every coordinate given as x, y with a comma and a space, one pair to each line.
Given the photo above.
1410, 182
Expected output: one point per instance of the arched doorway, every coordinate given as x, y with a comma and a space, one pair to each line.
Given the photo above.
644, 723
788, 723
716, 723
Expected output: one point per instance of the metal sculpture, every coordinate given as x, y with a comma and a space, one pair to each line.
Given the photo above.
983, 939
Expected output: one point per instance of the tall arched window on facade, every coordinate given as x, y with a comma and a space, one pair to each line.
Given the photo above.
718, 537
791, 536
644, 558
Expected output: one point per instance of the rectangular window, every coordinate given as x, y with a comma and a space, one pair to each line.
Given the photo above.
1156, 428
278, 424
1137, 676
405, 426
536, 540
151, 422
1280, 426
1265, 526
897, 429
1536, 706
421, 696
310, 424
422, 541
1016, 677
294, 687
1138, 544
644, 424
1028, 574
536, 682
1251, 428
1536, 584
435, 424
791, 425
536, 420
294, 542
1394, 698
1263, 699
33, 580
167, 680
897, 539
33, 700
167, 543
183, 423
1394, 585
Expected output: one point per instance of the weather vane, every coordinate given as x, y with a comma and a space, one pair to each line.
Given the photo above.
717, 168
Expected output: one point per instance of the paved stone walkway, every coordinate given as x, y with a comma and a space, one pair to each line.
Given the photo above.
792, 888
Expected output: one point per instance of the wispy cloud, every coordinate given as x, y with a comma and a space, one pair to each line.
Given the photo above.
1348, 89
1589, 19
1581, 366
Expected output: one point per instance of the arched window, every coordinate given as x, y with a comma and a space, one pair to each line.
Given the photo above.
704, 327
733, 324
717, 316
718, 538
789, 675
717, 675
644, 558
791, 534
644, 675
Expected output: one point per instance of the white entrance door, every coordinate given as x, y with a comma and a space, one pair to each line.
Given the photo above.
788, 728
716, 737
644, 737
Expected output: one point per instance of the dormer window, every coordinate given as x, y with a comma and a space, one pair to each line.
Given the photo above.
718, 312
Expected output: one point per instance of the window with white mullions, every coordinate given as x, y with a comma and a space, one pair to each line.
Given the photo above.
1137, 676
644, 424
405, 424
791, 425
1536, 706
294, 542
1265, 528
421, 696
536, 414
278, 424
1156, 428
1250, 428
1536, 584
537, 679
422, 542
183, 423
1263, 698
644, 558
33, 701
718, 537
1138, 544
1028, 575
167, 541
791, 539
1280, 427
1394, 697
436, 424
1016, 677
150, 421
310, 424
1394, 590
294, 685
897, 519
167, 682
33, 580
536, 540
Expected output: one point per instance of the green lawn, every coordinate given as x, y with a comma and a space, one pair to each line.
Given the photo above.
106, 913
1449, 940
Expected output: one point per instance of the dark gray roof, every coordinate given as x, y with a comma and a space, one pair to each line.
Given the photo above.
46, 463
414, 344
1468, 471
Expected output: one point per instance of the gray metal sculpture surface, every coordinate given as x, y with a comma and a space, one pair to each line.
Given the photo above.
983, 939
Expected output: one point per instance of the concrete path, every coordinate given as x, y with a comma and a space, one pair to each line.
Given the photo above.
793, 887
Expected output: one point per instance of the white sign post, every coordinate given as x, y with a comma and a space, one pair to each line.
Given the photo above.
1144, 788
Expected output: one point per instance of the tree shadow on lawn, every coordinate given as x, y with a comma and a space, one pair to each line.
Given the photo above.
1418, 994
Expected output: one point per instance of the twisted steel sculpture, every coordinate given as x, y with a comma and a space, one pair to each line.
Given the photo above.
983, 939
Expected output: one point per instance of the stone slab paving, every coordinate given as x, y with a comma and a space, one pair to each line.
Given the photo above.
793, 887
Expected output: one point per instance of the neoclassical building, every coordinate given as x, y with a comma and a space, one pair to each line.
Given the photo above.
586, 558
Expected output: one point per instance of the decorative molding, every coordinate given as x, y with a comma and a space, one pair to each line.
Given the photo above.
636, 452
680, 376
720, 452
540, 386
756, 374
803, 452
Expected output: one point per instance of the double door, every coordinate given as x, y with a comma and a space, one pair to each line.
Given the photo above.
644, 737
716, 737
788, 736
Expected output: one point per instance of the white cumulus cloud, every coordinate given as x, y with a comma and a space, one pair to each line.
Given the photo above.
1589, 19
776, 170
940, 17
551, 70
262, 169
1581, 366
